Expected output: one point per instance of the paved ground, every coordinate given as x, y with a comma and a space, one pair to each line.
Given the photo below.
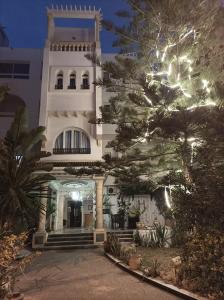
83, 275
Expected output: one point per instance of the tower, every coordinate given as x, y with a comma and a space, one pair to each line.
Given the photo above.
69, 99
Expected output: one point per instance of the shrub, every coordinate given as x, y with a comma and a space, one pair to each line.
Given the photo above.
10, 266
112, 245
157, 238
202, 268
127, 250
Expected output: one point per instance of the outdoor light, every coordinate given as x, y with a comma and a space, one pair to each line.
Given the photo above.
75, 196
167, 198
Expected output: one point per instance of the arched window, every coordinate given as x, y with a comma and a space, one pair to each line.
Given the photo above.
72, 141
85, 81
72, 81
59, 81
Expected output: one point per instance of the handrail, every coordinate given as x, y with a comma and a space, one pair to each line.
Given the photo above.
71, 151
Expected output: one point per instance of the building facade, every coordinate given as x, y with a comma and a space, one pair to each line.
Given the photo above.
56, 84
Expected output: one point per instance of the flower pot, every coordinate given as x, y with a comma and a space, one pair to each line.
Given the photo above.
134, 262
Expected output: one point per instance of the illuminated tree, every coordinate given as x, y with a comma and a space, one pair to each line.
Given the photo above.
170, 68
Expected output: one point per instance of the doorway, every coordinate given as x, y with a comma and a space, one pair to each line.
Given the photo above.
75, 213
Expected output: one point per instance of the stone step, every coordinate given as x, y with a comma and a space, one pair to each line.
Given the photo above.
125, 235
121, 232
126, 239
69, 238
70, 235
69, 247
61, 243
69, 242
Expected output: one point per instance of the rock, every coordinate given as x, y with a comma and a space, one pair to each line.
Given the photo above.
23, 253
148, 271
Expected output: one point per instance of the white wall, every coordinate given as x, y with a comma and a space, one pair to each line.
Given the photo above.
27, 89
74, 34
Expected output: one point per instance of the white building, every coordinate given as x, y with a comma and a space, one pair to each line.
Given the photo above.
57, 86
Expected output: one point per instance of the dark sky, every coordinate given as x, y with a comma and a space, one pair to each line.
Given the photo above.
25, 21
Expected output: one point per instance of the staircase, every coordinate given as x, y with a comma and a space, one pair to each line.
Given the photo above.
124, 236
69, 241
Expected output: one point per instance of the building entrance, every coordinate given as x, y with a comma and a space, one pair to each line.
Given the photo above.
75, 208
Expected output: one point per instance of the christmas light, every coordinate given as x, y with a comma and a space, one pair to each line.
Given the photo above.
147, 99
166, 196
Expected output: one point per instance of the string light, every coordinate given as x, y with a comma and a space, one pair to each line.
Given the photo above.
166, 196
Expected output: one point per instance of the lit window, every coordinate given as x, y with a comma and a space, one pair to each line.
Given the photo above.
72, 81
72, 142
85, 81
59, 81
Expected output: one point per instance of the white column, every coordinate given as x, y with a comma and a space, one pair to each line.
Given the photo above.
40, 237
99, 204
60, 211
42, 215
99, 233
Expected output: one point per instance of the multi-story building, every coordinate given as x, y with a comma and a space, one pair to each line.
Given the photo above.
57, 86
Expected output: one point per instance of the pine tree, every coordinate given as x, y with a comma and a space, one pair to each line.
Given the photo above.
165, 91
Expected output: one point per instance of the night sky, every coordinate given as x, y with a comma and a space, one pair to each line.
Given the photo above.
25, 21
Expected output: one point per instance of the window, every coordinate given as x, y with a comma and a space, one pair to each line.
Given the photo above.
14, 70
107, 108
72, 142
85, 81
106, 76
59, 81
72, 81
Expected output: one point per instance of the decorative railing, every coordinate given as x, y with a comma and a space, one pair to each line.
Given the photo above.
72, 46
71, 151
85, 86
71, 87
58, 87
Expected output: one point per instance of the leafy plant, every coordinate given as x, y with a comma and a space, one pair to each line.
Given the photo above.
155, 237
127, 250
112, 245
202, 268
161, 235
22, 175
10, 266
136, 237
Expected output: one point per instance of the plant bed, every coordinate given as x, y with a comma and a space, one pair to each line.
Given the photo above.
155, 281
163, 256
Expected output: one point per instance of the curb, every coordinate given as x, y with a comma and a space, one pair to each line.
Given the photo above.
156, 282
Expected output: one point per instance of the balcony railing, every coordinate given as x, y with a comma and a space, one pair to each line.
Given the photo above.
71, 151
85, 86
58, 87
71, 87
73, 46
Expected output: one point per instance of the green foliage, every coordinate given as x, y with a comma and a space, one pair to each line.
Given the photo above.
10, 266
112, 245
21, 174
156, 237
174, 59
127, 251
202, 268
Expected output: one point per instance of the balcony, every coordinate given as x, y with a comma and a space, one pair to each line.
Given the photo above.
58, 87
71, 46
71, 151
85, 86
71, 87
